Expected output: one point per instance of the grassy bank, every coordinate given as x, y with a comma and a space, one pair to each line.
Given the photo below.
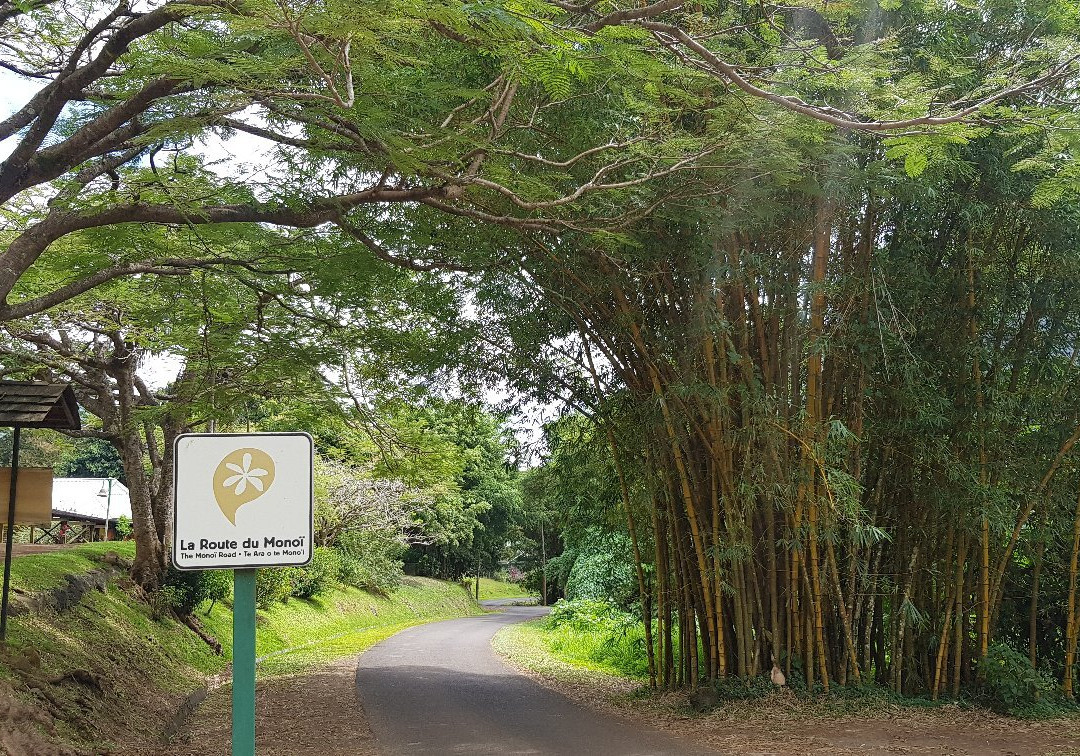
497, 589
304, 633
112, 671
39, 572
106, 670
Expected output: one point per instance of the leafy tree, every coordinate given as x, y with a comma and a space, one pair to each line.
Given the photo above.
90, 458
475, 520
390, 120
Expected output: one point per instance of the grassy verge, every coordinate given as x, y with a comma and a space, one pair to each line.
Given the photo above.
593, 635
40, 572
526, 644
497, 589
305, 633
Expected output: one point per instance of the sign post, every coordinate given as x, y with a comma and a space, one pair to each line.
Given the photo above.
243, 692
243, 501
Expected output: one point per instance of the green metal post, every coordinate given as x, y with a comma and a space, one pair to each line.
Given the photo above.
243, 666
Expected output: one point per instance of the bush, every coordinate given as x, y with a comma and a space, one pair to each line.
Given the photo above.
599, 634
1012, 686
183, 590
368, 562
124, 528
318, 577
166, 600
583, 614
272, 585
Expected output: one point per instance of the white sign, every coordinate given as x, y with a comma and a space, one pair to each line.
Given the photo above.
243, 500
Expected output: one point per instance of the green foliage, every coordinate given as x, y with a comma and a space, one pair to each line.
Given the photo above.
479, 514
600, 568
183, 590
123, 527
598, 635
319, 576
167, 600
273, 585
367, 561
1012, 686
90, 458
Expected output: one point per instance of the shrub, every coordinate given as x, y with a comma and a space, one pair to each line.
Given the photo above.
597, 633
350, 570
272, 584
533, 582
183, 590
1012, 686
124, 528
368, 562
165, 600
218, 585
582, 614
319, 576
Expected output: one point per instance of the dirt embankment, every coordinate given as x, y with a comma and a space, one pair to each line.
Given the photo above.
89, 663
93, 668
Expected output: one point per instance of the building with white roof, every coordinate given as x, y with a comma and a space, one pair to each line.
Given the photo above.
90, 499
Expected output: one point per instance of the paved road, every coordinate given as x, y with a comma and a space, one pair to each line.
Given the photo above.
440, 689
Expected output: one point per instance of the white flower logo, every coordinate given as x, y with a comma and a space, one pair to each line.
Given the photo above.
244, 474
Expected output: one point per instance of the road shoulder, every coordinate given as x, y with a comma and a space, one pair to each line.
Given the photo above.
315, 713
784, 724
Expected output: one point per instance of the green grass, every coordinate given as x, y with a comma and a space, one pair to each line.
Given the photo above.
41, 572
542, 647
525, 643
497, 589
304, 633
144, 665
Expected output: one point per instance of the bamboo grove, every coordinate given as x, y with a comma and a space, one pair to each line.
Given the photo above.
842, 417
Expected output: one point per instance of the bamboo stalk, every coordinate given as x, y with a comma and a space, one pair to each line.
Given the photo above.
1070, 616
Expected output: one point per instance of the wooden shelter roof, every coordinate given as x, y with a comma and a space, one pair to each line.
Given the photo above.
38, 405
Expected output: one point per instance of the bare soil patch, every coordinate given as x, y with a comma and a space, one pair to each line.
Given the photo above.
785, 724
316, 713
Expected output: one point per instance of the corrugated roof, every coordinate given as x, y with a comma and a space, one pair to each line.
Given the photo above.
38, 405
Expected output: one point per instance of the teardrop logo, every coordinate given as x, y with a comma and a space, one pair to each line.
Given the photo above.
242, 477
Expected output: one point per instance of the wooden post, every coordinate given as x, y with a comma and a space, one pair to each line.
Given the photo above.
12, 490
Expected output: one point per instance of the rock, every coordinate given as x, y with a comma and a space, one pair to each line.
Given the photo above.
32, 657
80, 676
704, 698
777, 677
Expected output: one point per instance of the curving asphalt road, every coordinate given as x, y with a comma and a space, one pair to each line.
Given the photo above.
441, 689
